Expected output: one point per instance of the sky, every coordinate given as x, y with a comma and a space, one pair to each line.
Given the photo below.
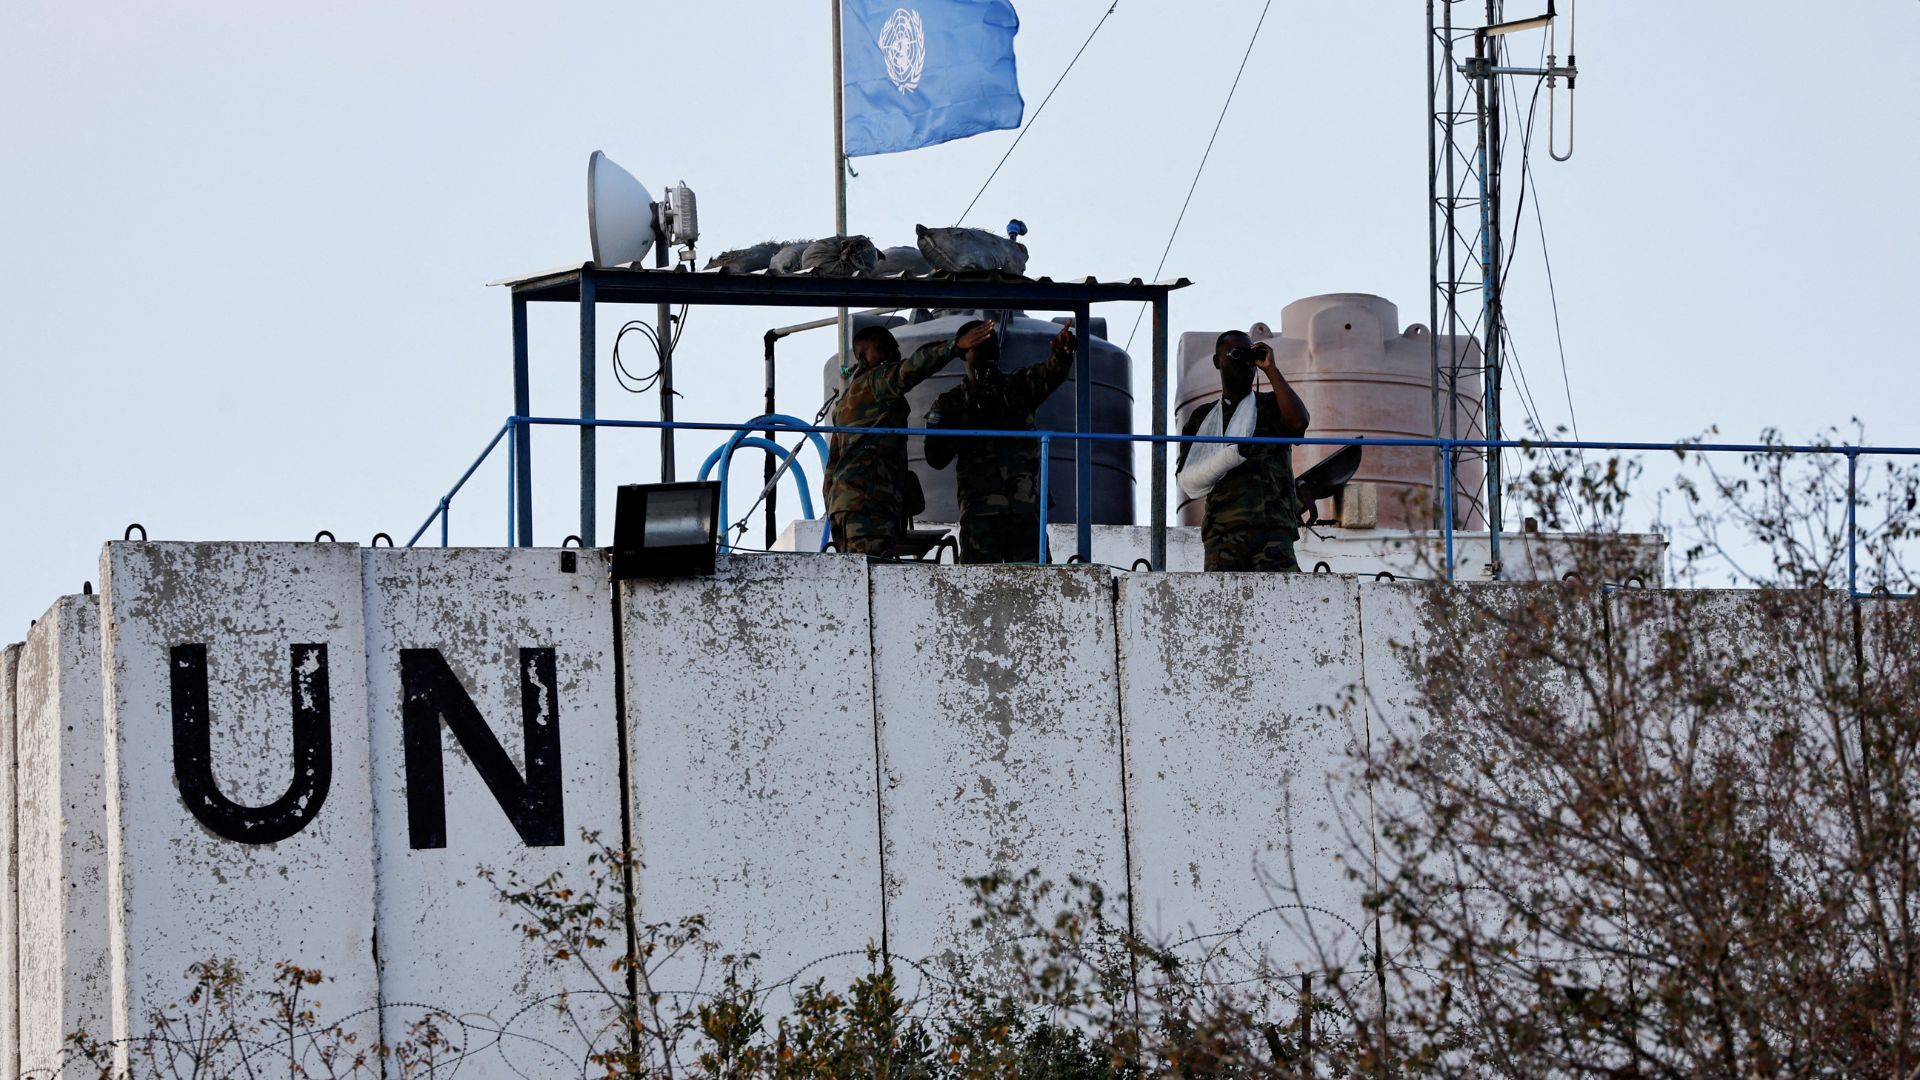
244, 247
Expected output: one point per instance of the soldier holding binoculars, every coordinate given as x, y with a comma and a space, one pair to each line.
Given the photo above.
1253, 512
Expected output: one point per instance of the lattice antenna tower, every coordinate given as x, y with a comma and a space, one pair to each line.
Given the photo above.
1465, 60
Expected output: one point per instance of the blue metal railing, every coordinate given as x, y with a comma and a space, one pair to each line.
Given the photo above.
514, 430
442, 510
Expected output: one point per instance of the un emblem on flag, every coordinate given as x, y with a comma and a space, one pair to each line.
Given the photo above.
903, 41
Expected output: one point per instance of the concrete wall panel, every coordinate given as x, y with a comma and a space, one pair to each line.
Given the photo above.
65, 974
9, 870
1237, 721
999, 738
301, 888
446, 939
1888, 630
749, 698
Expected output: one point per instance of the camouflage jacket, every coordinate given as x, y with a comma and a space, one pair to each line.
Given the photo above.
1258, 492
996, 476
867, 474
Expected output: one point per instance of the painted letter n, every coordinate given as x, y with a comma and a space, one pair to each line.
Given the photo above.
431, 693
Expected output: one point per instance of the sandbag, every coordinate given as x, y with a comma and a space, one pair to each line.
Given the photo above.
904, 260
746, 260
841, 256
787, 259
964, 250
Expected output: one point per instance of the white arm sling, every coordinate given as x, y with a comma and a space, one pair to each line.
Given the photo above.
1208, 463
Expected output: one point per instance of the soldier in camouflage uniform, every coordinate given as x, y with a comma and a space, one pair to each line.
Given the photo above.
867, 478
1253, 513
999, 479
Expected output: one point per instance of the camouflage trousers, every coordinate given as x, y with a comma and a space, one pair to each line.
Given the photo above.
1000, 538
1250, 548
866, 534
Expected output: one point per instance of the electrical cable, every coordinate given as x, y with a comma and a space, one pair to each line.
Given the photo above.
1533, 413
640, 384
1554, 297
1036, 114
1191, 188
1504, 90
1506, 335
635, 384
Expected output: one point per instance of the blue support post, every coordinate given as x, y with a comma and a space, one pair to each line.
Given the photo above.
444, 508
1045, 446
1853, 582
1490, 382
589, 409
520, 461
1157, 515
1446, 496
1493, 349
1083, 424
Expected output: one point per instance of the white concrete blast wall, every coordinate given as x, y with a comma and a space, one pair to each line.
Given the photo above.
1237, 726
1406, 626
65, 977
998, 707
238, 795
494, 745
1775, 649
750, 702
9, 870
1888, 631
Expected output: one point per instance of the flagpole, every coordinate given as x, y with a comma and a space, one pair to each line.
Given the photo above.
839, 159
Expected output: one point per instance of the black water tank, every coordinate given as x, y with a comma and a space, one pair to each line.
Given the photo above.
1023, 343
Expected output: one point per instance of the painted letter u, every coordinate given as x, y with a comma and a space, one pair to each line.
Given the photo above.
193, 750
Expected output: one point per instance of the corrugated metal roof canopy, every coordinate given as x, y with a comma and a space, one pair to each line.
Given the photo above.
621, 285
589, 286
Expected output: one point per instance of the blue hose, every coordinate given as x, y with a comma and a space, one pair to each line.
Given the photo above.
770, 422
754, 442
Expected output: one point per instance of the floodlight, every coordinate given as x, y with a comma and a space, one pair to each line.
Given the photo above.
681, 219
665, 530
620, 213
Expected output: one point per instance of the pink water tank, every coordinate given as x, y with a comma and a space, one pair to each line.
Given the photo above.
1360, 375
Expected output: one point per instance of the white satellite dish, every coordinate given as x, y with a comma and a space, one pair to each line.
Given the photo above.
620, 213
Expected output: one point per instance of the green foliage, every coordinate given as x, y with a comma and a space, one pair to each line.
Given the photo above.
221, 1028
1051, 995
1630, 831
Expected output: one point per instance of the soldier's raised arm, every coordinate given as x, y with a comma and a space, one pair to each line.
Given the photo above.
933, 356
1293, 411
1045, 377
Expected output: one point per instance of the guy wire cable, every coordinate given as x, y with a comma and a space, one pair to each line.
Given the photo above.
1554, 296
1506, 334
1191, 188
1022, 133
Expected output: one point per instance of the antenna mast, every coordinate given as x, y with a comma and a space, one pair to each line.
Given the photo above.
1464, 154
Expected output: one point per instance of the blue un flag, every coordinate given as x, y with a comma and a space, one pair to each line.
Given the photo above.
927, 72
